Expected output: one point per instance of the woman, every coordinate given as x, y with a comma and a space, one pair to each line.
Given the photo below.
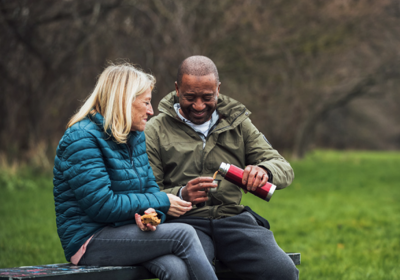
103, 183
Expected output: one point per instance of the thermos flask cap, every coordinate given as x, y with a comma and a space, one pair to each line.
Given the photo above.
223, 168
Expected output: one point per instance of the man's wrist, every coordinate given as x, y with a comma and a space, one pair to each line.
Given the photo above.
269, 173
180, 193
270, 177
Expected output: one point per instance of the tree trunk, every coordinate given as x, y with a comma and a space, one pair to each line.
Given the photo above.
305, 134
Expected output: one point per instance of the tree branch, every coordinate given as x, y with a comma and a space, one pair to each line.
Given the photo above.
68, 16
307, 128
24, 41
12, 81
98, 12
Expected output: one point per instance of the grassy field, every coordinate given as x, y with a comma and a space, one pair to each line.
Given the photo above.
28, 233
341, 213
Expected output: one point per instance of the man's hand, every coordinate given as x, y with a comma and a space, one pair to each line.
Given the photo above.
196, 190
254, 177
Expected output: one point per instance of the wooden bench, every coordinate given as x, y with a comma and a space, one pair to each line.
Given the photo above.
67, 271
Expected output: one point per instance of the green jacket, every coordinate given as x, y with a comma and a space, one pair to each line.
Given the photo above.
177, 156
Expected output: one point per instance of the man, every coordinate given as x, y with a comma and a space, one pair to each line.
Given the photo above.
196, 130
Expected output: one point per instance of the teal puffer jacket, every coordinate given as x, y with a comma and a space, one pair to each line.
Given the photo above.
99, 183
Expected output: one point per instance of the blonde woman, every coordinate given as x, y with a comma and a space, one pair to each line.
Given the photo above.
103, 183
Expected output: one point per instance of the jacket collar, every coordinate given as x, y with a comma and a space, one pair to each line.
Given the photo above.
229, 110
98, 119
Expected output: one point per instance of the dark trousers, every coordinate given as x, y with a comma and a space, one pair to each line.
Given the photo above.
245, 247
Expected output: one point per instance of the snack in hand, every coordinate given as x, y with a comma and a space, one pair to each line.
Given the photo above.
150, 219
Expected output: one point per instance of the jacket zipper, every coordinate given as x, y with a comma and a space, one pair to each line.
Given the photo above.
214, 209
212, 131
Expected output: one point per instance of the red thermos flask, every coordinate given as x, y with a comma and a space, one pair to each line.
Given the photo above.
234, 175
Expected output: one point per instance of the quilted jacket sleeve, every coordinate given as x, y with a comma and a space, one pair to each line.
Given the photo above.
260, 152
86, 174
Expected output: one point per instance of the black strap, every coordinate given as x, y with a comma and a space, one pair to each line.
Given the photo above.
260, 220
213, 239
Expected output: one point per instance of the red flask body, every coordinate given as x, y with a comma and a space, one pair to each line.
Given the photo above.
234, 175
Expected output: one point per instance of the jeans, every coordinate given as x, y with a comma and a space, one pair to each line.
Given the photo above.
246, 248
173, 251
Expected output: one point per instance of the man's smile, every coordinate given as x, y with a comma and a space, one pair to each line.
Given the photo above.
198, 114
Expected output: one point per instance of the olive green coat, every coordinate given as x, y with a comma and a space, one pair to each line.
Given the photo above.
177, 155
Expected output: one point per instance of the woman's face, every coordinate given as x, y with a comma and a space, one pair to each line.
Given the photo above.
141, 110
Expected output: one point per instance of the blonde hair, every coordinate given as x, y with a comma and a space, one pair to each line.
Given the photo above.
116, 89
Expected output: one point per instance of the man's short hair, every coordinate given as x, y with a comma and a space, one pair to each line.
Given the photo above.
197, 65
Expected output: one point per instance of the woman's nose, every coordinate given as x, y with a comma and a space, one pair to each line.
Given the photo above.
150, 110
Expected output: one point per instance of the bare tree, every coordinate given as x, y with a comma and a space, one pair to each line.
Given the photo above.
292, 63
44, 42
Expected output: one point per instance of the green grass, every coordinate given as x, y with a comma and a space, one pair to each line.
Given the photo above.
341, 213
28, 233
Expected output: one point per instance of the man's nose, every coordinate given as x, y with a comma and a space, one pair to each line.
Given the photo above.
199, 105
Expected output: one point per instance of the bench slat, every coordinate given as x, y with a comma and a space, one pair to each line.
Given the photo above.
69, 271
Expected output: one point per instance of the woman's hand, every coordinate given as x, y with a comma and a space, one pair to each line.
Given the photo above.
139, 223
178, 206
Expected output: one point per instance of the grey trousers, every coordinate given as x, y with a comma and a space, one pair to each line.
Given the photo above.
245, 247
173, 251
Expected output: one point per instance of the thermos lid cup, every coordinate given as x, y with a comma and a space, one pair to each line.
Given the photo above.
216, 181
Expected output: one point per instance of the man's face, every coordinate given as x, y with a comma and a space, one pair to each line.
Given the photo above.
198, 97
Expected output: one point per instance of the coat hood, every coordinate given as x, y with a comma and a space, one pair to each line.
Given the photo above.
229, 110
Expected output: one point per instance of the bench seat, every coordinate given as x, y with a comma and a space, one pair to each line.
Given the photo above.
67, 271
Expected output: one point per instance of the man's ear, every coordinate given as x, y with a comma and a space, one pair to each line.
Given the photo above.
218, 88
177, 89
